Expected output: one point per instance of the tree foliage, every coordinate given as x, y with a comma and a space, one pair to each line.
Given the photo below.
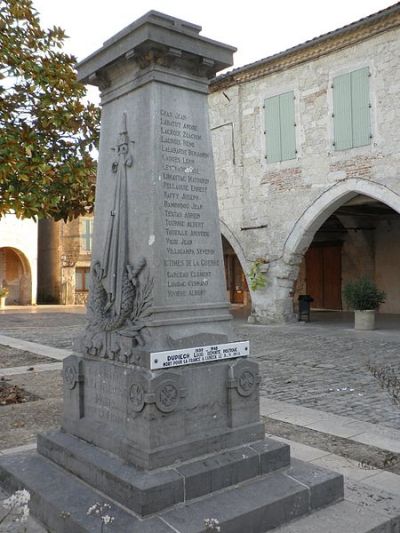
46, 130
257, 278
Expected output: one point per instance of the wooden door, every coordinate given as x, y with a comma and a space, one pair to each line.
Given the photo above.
235, 279
237, 296
332, 274
324, 276
314, 277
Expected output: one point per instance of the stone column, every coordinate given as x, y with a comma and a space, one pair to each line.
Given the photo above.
49, 264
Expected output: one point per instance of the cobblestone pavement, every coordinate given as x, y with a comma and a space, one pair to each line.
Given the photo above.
323, 366
326, 368
54, 328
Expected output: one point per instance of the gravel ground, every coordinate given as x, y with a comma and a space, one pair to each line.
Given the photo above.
20, 423
368, 457
10, 357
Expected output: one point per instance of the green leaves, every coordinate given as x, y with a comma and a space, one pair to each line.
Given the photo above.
47, 133
257, 279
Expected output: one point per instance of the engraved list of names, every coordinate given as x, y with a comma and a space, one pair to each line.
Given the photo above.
190, 257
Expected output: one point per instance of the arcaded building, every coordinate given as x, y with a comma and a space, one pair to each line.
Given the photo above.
18, 259
307, 154
45, 262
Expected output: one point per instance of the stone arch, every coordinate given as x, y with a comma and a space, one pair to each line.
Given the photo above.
20, 286
233, 241
313, 217
304, 229
238, 251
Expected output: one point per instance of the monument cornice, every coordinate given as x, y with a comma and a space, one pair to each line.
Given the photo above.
329, 43
154, 72
155, 32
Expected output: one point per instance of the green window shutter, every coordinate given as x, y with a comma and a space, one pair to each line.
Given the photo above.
279, 128
360, 107
272, 129
342, 112
87, 235
288, 133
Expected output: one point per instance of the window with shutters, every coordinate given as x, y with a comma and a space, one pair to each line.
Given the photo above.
86, 234
280, 135
351, 110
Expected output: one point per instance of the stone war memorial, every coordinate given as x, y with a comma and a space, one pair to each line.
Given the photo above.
161, 427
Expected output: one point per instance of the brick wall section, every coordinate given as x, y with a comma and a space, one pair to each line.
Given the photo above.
358, 167
285, 180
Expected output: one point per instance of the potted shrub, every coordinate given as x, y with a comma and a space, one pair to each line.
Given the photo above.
364, 297
3, 296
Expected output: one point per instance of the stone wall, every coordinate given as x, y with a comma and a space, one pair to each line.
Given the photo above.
273, 210
60, 252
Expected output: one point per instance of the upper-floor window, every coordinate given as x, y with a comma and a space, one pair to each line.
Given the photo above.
351, 109
280, 127
86, 234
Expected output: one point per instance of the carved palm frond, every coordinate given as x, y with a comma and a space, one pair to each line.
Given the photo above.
143, 301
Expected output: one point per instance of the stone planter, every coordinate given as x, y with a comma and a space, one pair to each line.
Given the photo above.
2, 302
364, 320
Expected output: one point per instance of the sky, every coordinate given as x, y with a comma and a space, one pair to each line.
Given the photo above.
258, 28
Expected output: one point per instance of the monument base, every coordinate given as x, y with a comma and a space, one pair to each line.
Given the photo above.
166, 450
154, 418
146, 492
248, 488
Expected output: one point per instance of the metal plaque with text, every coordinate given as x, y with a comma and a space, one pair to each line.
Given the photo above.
200, 354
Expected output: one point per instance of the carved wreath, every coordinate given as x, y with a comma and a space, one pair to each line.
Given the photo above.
136, 297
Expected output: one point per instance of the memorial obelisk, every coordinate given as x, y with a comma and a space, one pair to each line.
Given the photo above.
157, 271
158, 314
161, 405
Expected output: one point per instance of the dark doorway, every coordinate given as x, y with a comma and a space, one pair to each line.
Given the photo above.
236, 284
360, 239
324, 276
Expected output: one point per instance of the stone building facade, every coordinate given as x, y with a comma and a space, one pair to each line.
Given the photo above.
307, 154
65, 252
18, 259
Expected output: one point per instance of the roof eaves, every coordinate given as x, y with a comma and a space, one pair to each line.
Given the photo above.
228, 77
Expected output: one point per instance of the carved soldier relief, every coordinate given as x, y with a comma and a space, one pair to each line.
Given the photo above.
121, 292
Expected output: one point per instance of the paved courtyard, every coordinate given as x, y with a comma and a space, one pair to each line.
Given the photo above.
322, 364
316, 386
327, 368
